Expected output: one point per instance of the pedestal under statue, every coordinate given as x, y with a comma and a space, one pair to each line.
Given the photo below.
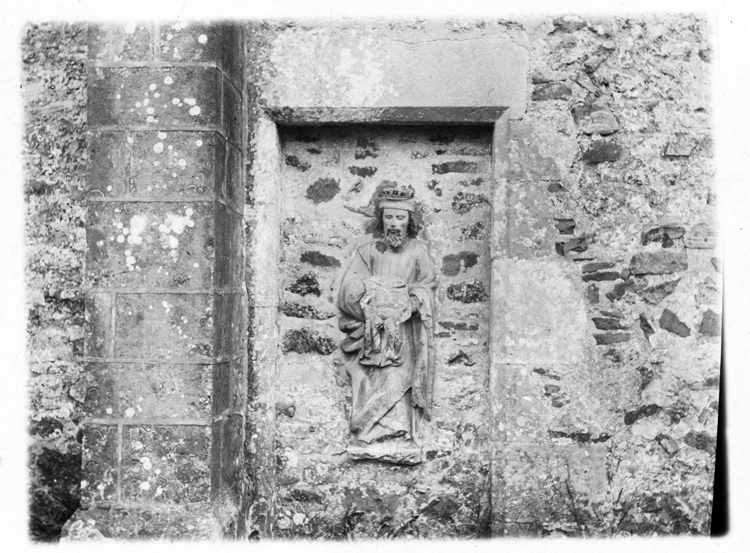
387, 297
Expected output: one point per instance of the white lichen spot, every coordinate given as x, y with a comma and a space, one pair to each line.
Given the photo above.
159, 491
170, 36
130, 260
118, 224
173, 242
149, 110
156, 164
145, 486
152, 86
166, 306
138, 225
108, 410
170, 147
157, 95
109, 189
126, 231
146, 462
175, 101
199, 143
117, 96
180, 25
150, 119
196, 265
174, 175
298, 518
202, 39
161, 135
84, 484
120, 238
130, 412
130, 140
145, 102
157, 471
128, 252
159, 147
130, 28
100, 243
182, 163
137, 104
189, 211
101, 487
168, 80
189, 101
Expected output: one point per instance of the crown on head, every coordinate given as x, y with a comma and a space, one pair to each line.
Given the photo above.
396, 192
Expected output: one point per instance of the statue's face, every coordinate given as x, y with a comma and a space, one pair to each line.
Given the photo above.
395, 224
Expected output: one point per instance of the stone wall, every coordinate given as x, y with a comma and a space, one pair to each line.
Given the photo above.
328, 178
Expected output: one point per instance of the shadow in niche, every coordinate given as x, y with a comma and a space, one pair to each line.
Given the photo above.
720, 511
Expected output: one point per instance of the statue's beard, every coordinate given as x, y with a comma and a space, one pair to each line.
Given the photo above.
394, 237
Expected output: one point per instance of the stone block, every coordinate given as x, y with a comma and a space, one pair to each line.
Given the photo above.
228, 262
541, 148
164, 326
98, 316
162, 98
138, 391
551, 91
164, 245
710, 324
530, 231
176, 164
543, 486
109, 159
232, 113
228, 323
108, 42
538, 312
99, 468
659, 263
220, 43
232, 466
166, 464
235, 189
599, 151
700, 236
229, 387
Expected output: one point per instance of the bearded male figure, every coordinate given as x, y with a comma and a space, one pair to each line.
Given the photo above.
387, 297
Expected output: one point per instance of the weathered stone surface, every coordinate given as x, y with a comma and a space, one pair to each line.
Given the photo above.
680, 145
666, 235
110, 42
541, 147
234, 176
127, 96
551, 91
659, 263
569, 23
669, 321
232, 113
307, 341
600, 151
203, 42
165, 464
701, 440
654, 294
710, 324
467, 292
99, 472
227, 248
392, 70
601, 276
228, 325
458, 263
700, 236
455, 167
463, 202
600, 122
539, 308
565, 226
598, 266
164, 326
163, 245
137, 391
163, 522
109, 161
387, 452
98, 340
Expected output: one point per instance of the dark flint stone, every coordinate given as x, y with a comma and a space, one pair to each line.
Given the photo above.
442, 137
599, 151
578, 245
592, 294
669, 321
323, 190
300, 311
551, 91
463, 202
307, 341
293, 161
659, 263
701, 440
458, 326
710, 324
646, 327
555, 187
598, 277
473, 182
598, 266
565, 226
666, 235
460, 357
606, 339
654, 294
467, 292
581, 437
455, 167
550, 389
306, 284
647, 375
475, 231
606, 323
363, 171
319, 260
641, 412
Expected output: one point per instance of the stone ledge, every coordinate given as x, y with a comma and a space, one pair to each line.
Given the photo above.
159, 522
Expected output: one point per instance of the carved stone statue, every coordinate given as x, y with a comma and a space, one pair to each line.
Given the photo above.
387, 297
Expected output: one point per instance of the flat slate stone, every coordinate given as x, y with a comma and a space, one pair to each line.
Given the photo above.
658, 263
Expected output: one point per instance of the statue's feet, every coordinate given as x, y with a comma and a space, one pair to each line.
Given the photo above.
399, 452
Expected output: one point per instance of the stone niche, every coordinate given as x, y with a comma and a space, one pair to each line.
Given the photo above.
328, 177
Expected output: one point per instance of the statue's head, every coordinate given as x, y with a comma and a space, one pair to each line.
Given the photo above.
395, 211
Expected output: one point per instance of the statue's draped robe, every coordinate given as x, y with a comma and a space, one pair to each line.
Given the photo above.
394, 368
